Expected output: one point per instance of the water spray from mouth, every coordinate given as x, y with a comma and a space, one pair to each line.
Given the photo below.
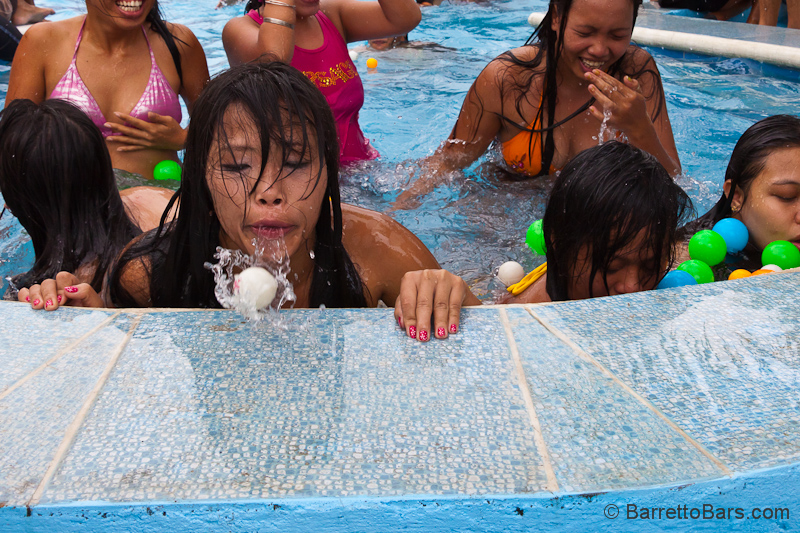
246, 282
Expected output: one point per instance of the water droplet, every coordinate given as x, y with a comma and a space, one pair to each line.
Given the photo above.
311, 254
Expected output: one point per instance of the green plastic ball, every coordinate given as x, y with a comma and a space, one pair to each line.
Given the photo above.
708, 246
167, 170
782, 253
534, 238
698, 270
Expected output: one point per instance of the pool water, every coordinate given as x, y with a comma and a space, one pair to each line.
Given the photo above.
413, 99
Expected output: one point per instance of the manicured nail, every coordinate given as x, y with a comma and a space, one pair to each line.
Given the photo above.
48, 303
453, 328
59, 298
400, 322
441, 332
27, 298
71, 289
36, 302
423, 335
412, 332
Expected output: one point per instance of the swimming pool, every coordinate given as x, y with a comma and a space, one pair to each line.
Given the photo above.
413, 98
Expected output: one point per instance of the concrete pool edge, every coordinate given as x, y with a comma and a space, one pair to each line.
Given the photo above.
704, 506
698, 43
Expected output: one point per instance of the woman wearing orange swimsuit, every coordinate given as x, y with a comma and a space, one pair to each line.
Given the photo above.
124, 67
576, 80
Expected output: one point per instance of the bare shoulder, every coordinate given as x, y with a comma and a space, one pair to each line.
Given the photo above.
184, 36
134, 276
639, 58
145, 205
372, 238
52, 33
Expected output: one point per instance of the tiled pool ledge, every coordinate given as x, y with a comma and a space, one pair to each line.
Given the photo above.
531, 417
656, 27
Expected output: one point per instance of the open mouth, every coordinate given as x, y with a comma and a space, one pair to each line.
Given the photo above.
591, 65
130, 6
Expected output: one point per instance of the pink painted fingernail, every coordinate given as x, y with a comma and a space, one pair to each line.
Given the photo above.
59, 298
36, 302
412, 332
48, 303
71, 289
27, 298
453, 328
441, 332
423, 335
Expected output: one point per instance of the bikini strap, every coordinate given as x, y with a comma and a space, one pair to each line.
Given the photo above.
78, 41
149, 47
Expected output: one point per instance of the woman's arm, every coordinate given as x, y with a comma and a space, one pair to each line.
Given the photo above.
27, 77
244, 40
362, 21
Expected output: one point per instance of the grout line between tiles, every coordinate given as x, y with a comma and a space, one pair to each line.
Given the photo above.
20, 382
641, 399
538, 436
71, 431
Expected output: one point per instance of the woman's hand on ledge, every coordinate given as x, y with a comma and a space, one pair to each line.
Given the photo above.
65, 290
430, 303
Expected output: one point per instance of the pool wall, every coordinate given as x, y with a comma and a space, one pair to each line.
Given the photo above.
556, 416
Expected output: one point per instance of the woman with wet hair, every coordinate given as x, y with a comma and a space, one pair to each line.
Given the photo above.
609, 227
761, 188
124, 66
576, 81
233, 196
56, 178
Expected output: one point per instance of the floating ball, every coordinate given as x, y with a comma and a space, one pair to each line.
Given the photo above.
676, 278
255, 287
707, 246
534, 238
700, 271
772, 268
782, 253
739, 273
761, 271
353, 55
372, 63
734, 232
510, 273
167, 170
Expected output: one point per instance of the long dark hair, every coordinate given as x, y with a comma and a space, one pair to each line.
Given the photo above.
157, 24
747, 161
56, 178
268, 93
600, 202
548, 50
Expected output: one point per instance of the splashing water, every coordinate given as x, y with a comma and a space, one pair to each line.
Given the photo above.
606, 133
270, 255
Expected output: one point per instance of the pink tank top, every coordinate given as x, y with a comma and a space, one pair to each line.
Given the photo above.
157, 97
330, 68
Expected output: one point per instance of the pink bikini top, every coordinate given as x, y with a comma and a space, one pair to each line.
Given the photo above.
330, 68
157, 97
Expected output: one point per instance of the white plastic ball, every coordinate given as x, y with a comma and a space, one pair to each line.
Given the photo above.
774, 268
353, 54
255, 287
510, 273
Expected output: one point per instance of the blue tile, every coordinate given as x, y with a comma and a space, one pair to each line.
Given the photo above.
721, 360
599, 436
340, 403
35, 416
29, 338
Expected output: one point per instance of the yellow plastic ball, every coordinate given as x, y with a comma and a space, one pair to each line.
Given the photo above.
372, 63
739, 274
761, 271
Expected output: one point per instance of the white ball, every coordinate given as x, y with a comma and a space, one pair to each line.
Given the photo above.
774, 268
510, 273
255, 287
353, 54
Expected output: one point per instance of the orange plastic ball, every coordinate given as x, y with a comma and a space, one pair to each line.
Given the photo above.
739, 274
761, 271
372, 63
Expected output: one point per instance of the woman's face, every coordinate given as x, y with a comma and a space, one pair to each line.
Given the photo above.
125, 12
631, 270
283, 203
597, 34
771, 207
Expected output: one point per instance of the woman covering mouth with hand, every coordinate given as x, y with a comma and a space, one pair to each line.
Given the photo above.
122, 65
576, 79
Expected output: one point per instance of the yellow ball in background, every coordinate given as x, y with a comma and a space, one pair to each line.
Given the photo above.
739, 274
372, 63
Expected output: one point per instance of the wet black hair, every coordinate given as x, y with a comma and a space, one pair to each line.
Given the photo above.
549, 46
158, 25
56, 178
601, 201
267, 93
748, 160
